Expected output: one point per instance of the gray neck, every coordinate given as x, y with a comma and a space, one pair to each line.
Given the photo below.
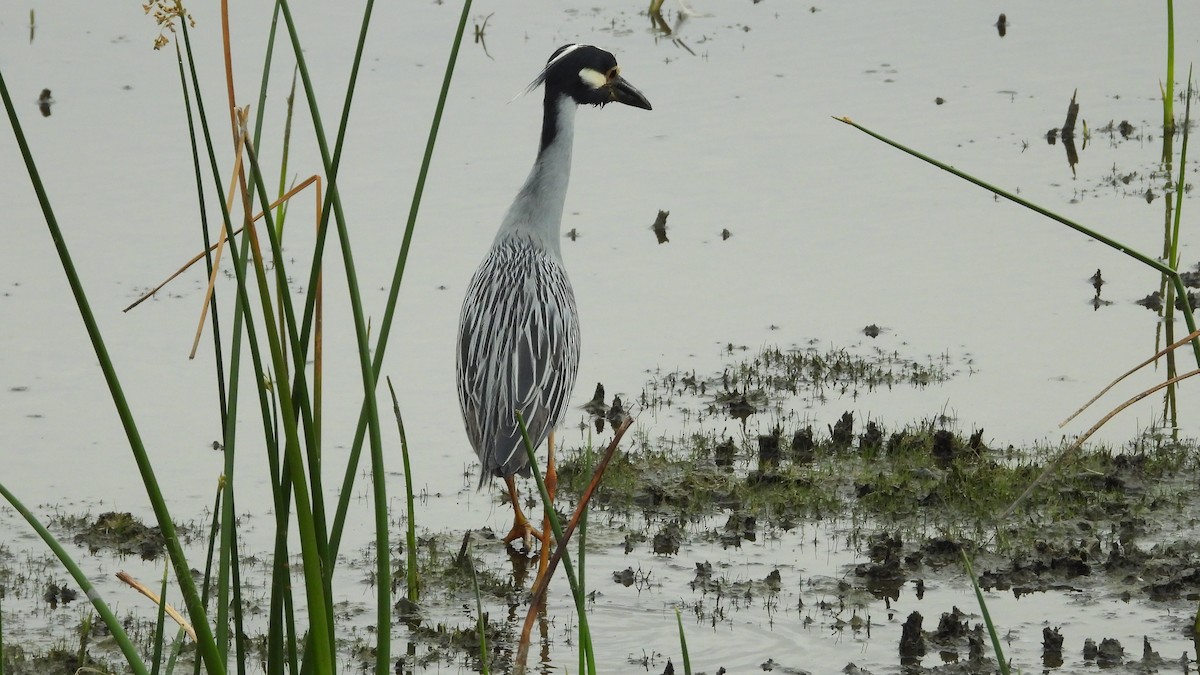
537, 211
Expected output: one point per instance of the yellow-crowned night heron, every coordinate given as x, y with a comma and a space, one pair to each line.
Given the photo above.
518, 335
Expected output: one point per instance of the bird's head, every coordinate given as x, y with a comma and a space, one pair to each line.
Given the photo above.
588, 75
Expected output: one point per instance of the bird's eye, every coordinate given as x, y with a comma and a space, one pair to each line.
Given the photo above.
612, 73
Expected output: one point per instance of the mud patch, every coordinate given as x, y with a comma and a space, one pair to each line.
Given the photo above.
122, 534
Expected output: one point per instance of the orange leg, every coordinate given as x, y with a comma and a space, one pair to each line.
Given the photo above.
522, 529
551, 488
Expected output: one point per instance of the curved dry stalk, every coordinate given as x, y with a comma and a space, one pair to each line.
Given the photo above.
1131, 371
200, 256
538, 592
171, 611
1071, 449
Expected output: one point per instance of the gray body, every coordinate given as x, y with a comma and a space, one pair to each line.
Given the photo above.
518, 334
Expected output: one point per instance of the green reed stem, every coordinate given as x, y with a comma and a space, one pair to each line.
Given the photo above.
238, 261
413, 579
397, 277
1180, 182
383, 646
312, 550
208, 258
1168, 92
160, 623
480, 624
687, 661
206, 644
1001, 661
1173, 275
242, 317
81, 579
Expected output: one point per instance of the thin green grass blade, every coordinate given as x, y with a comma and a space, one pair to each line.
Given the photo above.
206, 644
1001, 661
227, 532
480, 624
85, 585
176, 647
413, 591
687, 660
281, 211
239, 624
160, 623
214, 316
1158, 265
577, 592
583, 520
265, 79
209, 558
1, 630
1180, 178
1168, 92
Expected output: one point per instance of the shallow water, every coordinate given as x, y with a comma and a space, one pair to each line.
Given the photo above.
831, 231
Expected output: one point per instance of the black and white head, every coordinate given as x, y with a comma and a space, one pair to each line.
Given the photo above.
589, 75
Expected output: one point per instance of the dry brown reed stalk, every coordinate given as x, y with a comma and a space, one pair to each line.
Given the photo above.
171, 611
200, 256
1074, 447
1161, 352
538, 592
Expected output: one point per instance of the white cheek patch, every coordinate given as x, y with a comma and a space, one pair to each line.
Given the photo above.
593, 78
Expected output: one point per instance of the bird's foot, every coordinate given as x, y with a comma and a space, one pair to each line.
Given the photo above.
525, 531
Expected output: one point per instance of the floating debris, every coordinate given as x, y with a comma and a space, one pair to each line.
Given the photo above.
1110, 653
803, 445
912, 643
667, 541
660, 226
596, 406
724, 454
1052, 643
741, 408
616, 413
56, 595
1154, 301
45, 100
1068, 127
1097, 281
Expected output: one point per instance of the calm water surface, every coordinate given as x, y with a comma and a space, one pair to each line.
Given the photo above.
831, 231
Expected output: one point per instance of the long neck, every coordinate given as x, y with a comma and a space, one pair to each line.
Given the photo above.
537, 211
